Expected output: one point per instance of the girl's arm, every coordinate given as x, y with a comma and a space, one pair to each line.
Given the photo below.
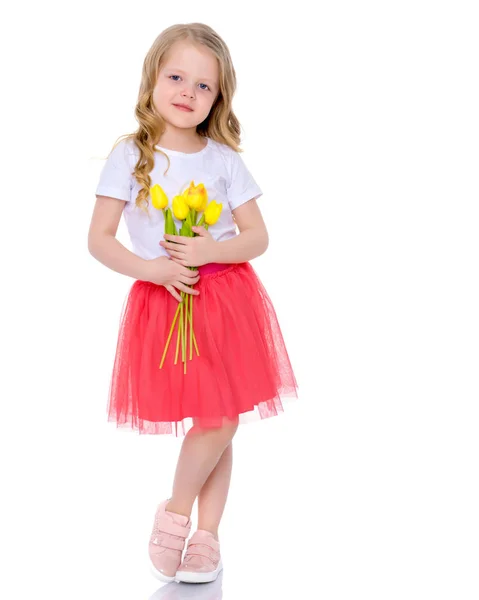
252, 241
103, 245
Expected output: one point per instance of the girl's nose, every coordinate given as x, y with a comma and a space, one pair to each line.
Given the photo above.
188, 91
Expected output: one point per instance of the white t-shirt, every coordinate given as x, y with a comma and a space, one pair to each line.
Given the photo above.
220, 168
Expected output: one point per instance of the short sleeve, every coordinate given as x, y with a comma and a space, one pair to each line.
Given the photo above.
242, 186
116, 179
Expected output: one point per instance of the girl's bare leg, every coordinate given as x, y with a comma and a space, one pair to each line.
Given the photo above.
213, 494
200, 453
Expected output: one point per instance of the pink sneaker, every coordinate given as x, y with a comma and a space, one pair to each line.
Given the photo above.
167, 541
202, 561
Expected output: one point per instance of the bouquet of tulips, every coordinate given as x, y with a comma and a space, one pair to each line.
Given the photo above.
186, 208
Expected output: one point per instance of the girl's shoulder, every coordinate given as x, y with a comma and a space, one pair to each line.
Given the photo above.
221, 148
225, 154
130, 147
124, 151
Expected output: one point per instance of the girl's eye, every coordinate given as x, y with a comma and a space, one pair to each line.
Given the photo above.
200, 84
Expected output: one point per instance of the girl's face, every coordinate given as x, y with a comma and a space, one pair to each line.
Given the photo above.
190, 76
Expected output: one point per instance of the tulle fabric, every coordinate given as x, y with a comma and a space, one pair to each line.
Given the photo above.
243, 370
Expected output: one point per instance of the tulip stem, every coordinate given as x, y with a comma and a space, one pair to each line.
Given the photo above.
180, 327
178, 336
191, 321
183, 325
191, 328
194, 337
169, 336
185, 328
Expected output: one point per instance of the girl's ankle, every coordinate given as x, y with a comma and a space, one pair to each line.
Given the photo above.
170, 507
212, 531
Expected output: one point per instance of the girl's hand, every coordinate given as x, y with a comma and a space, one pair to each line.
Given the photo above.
164, 271
191, 251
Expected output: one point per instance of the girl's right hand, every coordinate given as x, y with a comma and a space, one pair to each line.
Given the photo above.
170, 274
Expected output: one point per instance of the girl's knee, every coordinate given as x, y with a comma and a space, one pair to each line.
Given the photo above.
230, 426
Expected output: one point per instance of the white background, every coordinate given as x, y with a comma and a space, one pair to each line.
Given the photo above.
360, 123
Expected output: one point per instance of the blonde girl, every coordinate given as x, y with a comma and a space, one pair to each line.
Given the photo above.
185, 156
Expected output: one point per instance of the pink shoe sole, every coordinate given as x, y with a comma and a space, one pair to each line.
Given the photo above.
194, 577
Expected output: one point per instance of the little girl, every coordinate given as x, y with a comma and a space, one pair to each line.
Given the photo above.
195, 290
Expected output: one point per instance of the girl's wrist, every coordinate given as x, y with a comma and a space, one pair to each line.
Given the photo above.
145, 270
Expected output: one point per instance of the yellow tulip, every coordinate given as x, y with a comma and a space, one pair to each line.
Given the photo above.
158, 197
180, 208
196, 196
205, 202
212, 212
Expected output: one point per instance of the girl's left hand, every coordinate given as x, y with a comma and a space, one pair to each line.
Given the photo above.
191, 251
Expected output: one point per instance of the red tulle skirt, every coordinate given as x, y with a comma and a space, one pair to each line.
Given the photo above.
242, 371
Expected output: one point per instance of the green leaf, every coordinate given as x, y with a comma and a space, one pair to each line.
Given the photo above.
168, 221
170, 226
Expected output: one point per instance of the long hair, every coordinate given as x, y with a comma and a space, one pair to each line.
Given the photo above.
221, 124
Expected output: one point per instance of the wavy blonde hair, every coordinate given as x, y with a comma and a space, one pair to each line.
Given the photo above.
221, 124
